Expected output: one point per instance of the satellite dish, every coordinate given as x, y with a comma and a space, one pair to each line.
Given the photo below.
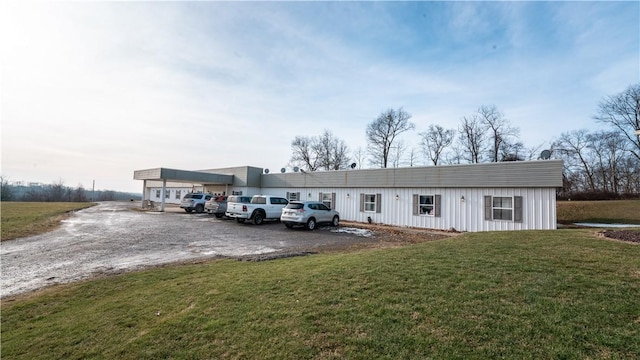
353, 166
283, 170
545, 154
266, 171
295, 169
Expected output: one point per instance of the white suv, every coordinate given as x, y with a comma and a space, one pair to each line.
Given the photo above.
194, 201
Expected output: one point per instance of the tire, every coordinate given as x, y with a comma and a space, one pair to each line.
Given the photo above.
336, 221
240, 220
258, 218
311, 224
289, 226
219, 215
199, 208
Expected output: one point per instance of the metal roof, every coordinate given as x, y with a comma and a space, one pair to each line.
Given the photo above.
175, 175
541, 173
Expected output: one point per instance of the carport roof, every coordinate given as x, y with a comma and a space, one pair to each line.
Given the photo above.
175, 175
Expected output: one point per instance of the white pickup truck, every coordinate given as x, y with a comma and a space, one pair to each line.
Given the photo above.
262, 207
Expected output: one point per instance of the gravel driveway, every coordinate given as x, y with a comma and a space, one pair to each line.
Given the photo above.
112, 237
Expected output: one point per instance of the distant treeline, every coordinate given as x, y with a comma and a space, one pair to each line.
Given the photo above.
58, 192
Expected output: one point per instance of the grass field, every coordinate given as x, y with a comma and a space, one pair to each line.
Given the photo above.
607, 212
531, 294
19, 219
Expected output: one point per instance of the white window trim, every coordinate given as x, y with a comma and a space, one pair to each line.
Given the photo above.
503, 208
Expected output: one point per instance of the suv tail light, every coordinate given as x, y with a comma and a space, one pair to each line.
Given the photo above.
244, 208
301, 210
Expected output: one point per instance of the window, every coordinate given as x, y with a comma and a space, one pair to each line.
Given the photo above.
236, 193
293, 196
503, 208
370, 203
258, 200
158, 193
323, 207
178, 194
279, 201
427, 205
167, 194
328, 199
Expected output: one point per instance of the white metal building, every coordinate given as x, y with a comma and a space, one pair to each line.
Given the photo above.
475, 197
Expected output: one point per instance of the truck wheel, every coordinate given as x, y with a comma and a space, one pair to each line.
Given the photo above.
335, 221
311, 224
219, 215
199, 208
258, 218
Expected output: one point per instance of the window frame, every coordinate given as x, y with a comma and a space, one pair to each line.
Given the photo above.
421, 205
328, 199
377, 203
501, 209
516, 208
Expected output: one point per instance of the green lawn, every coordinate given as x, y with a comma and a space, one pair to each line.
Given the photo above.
607, 212
530, 294
19, 219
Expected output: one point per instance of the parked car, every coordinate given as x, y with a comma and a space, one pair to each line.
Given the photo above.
308, 214
194, 201
216, 206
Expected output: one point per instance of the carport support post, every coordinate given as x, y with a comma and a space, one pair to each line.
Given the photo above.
145, 195
164, 191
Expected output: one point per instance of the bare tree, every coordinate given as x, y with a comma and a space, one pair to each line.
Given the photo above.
413, 156
79, 194
472, 137
503, 137
573, 147
6, 191
383, 131
622, 112
608, 149
435, 140
396, 153
360, 157
304, 153
324, 152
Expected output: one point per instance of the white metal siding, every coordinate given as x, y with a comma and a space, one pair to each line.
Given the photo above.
538, 207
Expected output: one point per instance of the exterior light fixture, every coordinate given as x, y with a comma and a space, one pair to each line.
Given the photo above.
397, 197
348, 196
462, 198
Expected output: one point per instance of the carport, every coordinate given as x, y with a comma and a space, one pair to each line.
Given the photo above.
178, 176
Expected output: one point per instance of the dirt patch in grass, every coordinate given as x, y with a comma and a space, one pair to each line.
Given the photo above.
632, 236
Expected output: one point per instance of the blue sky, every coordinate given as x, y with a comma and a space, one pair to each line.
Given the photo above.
96, 90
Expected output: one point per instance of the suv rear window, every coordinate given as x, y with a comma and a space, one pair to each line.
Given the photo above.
193, 196
294, 206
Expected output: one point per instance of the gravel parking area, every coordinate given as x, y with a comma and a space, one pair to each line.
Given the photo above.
114, 237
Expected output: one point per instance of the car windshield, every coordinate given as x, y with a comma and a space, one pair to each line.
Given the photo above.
295, 206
